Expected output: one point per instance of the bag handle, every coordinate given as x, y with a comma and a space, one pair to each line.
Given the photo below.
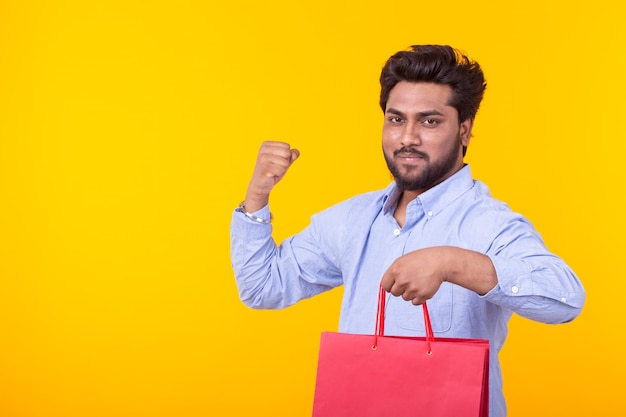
380, 321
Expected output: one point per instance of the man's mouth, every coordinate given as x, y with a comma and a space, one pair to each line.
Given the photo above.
409, 153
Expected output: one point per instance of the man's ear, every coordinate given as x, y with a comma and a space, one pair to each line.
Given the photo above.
465, 131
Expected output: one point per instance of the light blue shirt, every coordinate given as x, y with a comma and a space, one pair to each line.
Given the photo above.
354, 242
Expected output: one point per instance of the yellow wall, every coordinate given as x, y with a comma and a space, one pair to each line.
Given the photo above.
128, 130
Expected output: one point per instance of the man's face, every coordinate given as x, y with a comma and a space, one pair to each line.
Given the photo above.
422, 137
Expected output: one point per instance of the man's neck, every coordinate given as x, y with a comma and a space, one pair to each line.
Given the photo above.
400, 212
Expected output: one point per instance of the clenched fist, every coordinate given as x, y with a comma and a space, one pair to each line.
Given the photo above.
273, 161
416, 276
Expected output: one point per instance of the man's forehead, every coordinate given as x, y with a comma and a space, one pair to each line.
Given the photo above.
429, 95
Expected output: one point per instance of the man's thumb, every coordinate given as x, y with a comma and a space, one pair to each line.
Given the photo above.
295, 154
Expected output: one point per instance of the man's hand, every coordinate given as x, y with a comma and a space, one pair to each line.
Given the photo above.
417, 276
273, 161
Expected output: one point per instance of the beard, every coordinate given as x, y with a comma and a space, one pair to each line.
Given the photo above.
413, 178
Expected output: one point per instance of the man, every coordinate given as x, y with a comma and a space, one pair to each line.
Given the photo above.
434, 234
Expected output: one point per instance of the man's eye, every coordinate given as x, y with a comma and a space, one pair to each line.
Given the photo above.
395, 119
431, 122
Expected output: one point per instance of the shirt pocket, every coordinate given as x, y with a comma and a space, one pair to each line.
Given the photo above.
411, 318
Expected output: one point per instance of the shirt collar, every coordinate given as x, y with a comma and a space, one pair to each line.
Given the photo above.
435, 199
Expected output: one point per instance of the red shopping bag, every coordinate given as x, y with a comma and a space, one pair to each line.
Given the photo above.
392, 376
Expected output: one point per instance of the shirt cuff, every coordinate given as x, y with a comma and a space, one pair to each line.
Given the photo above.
250, 228
511, 283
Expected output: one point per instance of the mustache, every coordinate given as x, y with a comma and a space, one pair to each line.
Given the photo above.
410, 150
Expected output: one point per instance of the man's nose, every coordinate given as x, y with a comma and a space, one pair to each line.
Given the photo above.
411, 135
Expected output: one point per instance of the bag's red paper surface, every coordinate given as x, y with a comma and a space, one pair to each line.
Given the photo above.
399, 377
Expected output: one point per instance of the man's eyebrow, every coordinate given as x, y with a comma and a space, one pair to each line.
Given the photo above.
394, 111
433, 112
424, 113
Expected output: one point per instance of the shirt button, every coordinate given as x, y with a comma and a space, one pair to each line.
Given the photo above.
430, 214
396, 232
563, 299
514, 289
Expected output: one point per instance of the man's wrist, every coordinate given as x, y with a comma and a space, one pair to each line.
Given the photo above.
242, 209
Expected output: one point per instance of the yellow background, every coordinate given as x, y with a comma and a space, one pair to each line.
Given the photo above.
128, 132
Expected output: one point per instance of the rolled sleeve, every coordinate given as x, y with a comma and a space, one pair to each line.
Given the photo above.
541, 292
270, 276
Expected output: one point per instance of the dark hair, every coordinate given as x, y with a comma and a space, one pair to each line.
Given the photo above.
440, 64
